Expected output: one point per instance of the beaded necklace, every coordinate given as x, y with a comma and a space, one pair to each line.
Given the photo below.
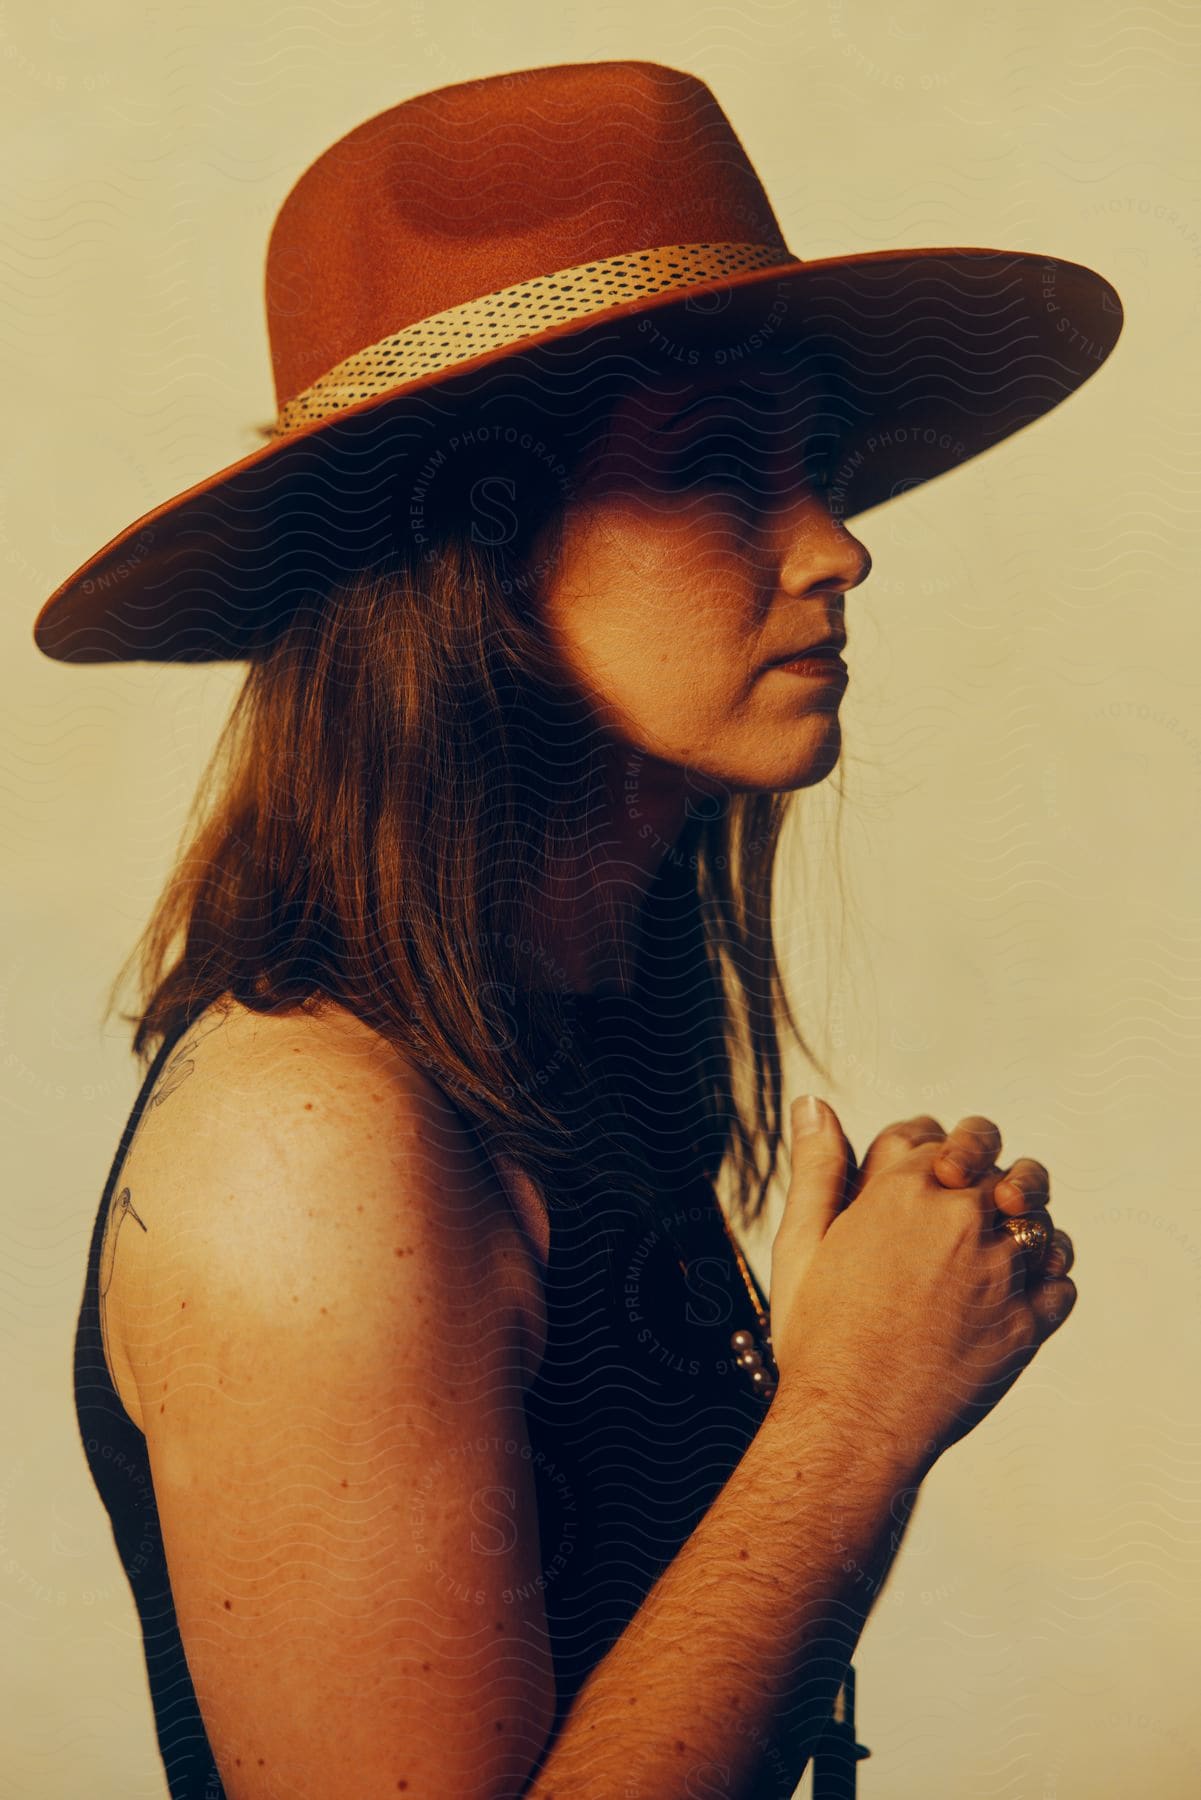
757, 1359
753, 1353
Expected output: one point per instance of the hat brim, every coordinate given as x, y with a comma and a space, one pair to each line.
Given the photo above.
935, 355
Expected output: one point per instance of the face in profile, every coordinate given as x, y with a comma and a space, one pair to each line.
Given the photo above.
698, 548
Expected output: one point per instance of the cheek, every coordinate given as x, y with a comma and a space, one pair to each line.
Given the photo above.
653, 610
661, 652
667, 689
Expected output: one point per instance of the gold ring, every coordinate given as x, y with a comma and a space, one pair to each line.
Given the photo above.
1032, 1231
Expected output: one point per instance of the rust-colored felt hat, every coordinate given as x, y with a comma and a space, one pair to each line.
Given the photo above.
545, 213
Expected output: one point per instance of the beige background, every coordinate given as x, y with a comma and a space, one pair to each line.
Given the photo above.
1022, 765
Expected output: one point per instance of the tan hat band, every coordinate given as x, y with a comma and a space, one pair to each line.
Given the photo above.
518, 312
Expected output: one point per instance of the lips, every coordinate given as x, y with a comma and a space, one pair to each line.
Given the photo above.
831, 647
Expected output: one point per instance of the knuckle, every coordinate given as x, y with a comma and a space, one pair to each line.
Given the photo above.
981, 1133
1055, 1301
1030, 1175
930, 1153
918, 1130
922, 1124
1061, 1250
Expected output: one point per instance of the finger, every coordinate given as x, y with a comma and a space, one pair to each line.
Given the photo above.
970, 1150
820, 1154
1051, 1302
895, 1142
1025, 1187
1027, 1259
1060, 1254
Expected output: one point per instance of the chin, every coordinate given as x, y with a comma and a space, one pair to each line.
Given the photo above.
784, 776
773, 759
810, 776
807, 762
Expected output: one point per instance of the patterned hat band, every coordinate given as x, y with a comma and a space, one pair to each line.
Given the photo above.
383, 244
517, 312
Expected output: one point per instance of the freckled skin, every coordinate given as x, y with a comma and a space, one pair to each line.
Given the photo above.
675, 587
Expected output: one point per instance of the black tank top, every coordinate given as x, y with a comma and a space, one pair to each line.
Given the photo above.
636, 1418
116, 1454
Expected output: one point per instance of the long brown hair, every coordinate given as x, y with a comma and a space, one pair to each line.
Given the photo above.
402, 758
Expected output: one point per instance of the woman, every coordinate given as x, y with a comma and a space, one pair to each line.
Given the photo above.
447, 1439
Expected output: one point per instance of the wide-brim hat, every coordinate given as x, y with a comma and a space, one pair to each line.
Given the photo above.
540, 214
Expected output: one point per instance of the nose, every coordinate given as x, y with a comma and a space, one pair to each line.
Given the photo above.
816, 551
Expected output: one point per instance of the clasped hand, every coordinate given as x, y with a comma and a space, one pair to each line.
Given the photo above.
968, 1156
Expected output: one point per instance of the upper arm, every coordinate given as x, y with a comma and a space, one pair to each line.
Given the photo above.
331, 1353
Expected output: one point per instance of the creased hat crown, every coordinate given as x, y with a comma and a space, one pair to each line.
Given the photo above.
477, 187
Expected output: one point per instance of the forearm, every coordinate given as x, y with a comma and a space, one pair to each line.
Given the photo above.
724, 1679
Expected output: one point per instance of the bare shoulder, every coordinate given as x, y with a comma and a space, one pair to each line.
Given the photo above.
296, 1160
303, 1085
234, 1070
330, 1346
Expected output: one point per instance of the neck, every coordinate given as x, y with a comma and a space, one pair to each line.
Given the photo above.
587, 913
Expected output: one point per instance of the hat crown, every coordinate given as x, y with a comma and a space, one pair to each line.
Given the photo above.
479, 220
473, 188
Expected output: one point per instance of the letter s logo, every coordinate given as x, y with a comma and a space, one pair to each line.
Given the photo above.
498, 1519
716, 1306
714, 1779
507, 526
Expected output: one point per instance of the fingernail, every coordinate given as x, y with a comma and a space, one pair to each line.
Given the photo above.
807, 1115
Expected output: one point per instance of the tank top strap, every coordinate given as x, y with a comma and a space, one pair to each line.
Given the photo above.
137, 1111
